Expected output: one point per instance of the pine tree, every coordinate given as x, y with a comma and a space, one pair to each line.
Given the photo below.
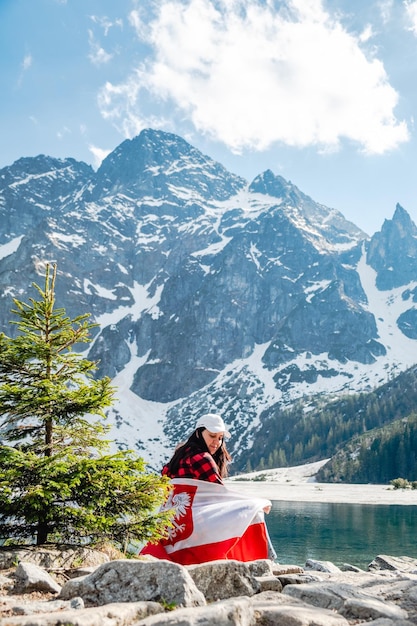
57, 479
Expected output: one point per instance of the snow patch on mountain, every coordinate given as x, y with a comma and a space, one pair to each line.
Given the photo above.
137, 423
66, 242
102, 292
10, 247
387, 306
142, 301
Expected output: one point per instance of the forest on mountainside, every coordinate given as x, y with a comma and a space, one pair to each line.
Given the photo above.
379, 456
317, 428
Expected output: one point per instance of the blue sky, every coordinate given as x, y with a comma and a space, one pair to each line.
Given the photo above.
321, 92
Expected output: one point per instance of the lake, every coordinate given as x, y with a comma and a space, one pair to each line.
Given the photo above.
341, 533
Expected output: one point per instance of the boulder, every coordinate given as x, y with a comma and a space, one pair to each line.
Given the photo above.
133, 581
346, 599
393, 563
223, 579
30, 577
117, 614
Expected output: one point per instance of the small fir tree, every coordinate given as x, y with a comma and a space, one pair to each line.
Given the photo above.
58, 481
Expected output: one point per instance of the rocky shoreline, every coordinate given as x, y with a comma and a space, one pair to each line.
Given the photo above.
55, 586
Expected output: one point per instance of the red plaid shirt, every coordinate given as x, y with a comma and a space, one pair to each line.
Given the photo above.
197, 465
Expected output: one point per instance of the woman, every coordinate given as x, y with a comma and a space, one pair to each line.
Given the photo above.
204, 455
210, 521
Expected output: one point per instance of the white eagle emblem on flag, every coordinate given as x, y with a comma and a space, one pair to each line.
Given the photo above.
180, 502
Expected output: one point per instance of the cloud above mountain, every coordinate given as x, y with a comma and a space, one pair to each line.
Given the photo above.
252, 74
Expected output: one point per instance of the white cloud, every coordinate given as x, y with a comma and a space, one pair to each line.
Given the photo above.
27, 62
119, 103
366, 34
24, 67
106, 24
63, 132
385, 8
97, 54
98, 153
136, 20
411, 11
250, 74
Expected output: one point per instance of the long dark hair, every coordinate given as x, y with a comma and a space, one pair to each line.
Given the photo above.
196, 443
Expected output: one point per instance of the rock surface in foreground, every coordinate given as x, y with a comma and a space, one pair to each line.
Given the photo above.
133, 592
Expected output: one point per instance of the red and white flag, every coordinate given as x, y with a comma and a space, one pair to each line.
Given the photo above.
212, 522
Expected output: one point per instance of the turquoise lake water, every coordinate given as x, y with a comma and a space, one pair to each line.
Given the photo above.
341, 533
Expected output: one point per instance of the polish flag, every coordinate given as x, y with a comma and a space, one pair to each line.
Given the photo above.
212, 522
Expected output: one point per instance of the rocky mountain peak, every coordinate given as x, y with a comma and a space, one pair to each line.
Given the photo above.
34, 187
392, 252
29, 169
273, 185
157, 162
402, 222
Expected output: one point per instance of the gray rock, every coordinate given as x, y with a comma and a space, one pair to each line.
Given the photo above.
371, 608
385, 621
262, 567
233, 612
269, 583
133, 581
5, 583
298, 579
393, 563
117, 614
81, 571
32, 607
347, 567
322, 566
412, 594
280, 570
30, 577
223, 579
271, 615
346, 599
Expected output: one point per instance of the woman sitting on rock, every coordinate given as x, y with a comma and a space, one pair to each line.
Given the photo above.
210, 521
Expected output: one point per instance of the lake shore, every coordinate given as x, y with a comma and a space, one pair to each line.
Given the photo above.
298, 484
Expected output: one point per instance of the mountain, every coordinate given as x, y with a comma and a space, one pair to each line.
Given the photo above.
210, 292
343, 429
383, 435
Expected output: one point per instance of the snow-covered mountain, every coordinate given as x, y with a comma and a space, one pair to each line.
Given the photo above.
210, 293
